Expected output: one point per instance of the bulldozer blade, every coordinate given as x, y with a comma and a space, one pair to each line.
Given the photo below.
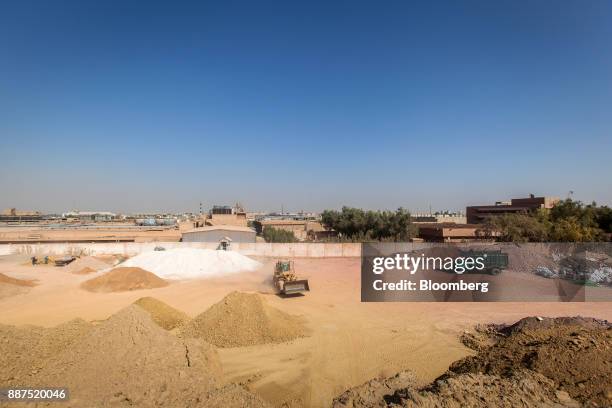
296, 287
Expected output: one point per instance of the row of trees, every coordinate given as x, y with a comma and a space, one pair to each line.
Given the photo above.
361, 225
568, 221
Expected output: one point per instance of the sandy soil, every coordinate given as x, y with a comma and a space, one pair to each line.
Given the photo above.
350, 342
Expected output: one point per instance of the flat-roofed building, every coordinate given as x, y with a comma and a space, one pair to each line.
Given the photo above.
479, 214
90, 216
223, 215
219, 233
436, 232
13, 215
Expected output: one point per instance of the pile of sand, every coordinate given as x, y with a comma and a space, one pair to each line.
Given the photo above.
12, 286
562, 362
15, 281
124, 361
574, 352
86, 265
85, 271
124, 279
373, 392
244, 319
27, 349
520, 389
111, 259
164, 315
192, 263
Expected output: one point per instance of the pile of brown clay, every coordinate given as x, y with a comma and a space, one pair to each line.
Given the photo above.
574, 352
124, 279
244, 319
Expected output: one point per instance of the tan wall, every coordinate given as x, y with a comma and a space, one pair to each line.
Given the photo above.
310, 250
229, 219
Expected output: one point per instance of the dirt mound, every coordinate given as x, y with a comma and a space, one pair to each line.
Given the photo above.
85, 271
130, 345
27, 349
373, 392
90, 263
560, 362
521, 389
165, 316
125, 361
535, 323
15, 281
243, 319
528, 257
124, 279
573, 352
111, 260
233, 396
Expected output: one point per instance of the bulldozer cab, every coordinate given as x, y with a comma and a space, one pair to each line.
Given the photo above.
284, 266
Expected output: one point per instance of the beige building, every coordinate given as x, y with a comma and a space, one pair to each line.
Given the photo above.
223, 215
13, 215
481, 213
228, 233
435, 232
439, 218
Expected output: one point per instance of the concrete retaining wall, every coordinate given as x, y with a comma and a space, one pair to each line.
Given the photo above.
297, 250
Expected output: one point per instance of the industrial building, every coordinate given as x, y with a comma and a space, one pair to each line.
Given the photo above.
456, 218
223, 215
12, 215
435, 232
90, 216
480, 213
231, 233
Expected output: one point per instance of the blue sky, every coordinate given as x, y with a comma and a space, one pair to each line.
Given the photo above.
145, 106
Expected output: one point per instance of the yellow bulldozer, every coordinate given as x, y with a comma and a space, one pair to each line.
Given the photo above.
286, 281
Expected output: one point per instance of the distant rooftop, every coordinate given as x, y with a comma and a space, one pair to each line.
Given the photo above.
220, 228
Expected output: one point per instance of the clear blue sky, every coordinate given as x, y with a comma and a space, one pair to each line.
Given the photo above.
145, 106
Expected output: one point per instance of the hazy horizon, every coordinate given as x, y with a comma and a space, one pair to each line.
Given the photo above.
148, 106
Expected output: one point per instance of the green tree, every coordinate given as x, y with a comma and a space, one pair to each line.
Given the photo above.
519, 228
271, 234
568, 221
357, 224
